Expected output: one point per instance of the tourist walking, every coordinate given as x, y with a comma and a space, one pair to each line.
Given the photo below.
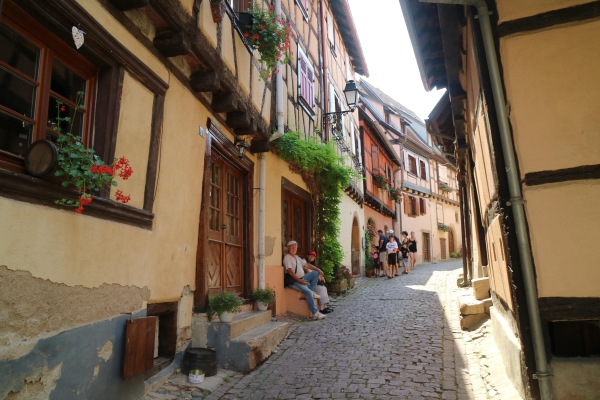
392, 255
383, 259
412, 250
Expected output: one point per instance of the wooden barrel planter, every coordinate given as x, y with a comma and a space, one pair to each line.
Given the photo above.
199, 358
338, 287
41, 160
351, 282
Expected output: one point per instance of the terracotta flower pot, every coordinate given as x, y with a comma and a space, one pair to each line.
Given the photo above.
369, 273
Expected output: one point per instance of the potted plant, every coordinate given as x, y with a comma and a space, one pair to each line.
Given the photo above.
271, 37
369, 266
78, 166
225, 305
345, 273
443, 227
445, 188
263, 297
381, 181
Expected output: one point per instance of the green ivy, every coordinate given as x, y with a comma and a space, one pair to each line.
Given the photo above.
326, 175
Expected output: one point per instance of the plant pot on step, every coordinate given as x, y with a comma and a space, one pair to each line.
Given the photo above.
226, 316
261, 306
368, 273
338, 287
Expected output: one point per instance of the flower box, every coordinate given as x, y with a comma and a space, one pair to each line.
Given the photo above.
338, 287
351, 282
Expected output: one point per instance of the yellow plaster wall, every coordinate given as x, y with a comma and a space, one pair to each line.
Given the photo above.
514, 9
82, 250
563, 220
206, 23
133, 138
227, 44
551, 85
348, 209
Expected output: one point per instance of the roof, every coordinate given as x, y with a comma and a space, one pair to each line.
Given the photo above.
380, 133
343, 16
387, 100
423, 25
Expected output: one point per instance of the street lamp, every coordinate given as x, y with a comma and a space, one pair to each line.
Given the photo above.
351, 94
241, 146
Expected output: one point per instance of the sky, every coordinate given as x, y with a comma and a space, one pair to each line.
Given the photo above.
389, 54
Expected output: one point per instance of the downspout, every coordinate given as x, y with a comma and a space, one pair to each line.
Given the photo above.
324, 65
262, 168
516, 198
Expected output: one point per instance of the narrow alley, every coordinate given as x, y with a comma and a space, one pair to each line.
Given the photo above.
386, 339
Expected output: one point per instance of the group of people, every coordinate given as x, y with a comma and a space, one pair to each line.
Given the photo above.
391, 251
306, 278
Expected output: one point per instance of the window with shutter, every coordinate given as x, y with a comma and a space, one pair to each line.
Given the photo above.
423, 169
440, 214
305, 80
416, 206
375, 159
423, 206
406, 205
412, 165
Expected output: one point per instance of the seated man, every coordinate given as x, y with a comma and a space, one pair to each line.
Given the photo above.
305, 284
321, 290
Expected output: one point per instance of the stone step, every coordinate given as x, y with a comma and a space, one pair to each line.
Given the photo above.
242, 323
246, 351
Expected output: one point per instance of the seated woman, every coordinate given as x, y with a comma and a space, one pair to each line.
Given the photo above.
321, 290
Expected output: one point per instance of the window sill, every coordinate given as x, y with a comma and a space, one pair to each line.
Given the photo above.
38, 191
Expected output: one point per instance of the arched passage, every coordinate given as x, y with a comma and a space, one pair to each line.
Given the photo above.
355, 252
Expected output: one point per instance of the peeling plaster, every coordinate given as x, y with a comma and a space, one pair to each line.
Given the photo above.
33, 308
37, 386
106, 351
269, 245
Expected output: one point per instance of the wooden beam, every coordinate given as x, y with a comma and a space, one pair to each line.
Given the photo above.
260, 146
224, 102
238, 119
569, 308
205, 81
127, 5
171, 44
562, 175
251, 129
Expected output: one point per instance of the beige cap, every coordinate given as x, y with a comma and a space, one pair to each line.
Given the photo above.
291, 242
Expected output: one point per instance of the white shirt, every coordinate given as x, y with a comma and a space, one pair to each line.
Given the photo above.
391, 246
291, 262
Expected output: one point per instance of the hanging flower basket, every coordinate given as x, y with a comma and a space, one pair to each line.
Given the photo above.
244, 21
381, 181
395, 194
445, 188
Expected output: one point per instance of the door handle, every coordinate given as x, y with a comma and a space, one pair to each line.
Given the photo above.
223, 226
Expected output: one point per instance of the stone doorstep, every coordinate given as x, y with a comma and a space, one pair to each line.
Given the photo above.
246, 351
242, 323
469, 305
481, 288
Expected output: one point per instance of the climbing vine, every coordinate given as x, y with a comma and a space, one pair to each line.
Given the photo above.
325, 174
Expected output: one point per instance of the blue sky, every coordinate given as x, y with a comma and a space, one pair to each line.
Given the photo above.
389, 54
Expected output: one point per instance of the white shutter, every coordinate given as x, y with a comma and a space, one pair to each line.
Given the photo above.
352, 138
306, 74
310, 85
330, 30
443, 176
406, 166
331, 98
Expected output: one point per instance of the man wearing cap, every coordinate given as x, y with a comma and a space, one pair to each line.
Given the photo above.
304, 283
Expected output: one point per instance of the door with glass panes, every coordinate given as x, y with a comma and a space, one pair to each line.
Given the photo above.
225, 238
295, 222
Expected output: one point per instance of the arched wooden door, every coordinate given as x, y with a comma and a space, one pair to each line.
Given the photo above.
451, 242
355, 248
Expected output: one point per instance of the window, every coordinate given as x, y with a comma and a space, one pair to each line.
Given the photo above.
374, 159
387, 117
423, 206
423, 168
38, 72
442, 174
303, 4
331, 34
306, 74
412, 205
388, 172
239, 5
456, 216
440, 213
412, 165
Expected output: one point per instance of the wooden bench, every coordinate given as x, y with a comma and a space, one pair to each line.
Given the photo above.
296, 303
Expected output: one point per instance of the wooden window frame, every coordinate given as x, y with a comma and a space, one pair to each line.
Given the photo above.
422, 206
112, 59
306, 80
423, 169
410, 169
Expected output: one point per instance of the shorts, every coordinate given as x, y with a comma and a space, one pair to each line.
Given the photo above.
392, 258
383, 257
405, 262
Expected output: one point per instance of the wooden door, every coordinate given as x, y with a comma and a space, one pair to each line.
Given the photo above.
451, 242
443, 248
425, 244
355, 248
295, 223
225, 239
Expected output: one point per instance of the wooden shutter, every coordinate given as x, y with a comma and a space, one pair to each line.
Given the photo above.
139, 346
302, 68
310, 85
412, 165
375, 159
417, 205
423, 168
406, 205
304, 4
423, 206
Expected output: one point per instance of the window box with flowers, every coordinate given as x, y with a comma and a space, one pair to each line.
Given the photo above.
395, 194
270, 36
382, 181
445, 188
443, 227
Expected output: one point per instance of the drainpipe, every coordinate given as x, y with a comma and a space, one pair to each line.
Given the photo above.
325, 85
516, 199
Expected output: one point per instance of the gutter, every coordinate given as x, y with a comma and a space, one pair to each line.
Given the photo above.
516, 198
325, 84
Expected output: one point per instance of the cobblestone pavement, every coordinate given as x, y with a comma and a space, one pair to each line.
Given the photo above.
387, 339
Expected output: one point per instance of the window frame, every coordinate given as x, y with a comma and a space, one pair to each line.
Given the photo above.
410, 170
303, 5
306, 87
51, 48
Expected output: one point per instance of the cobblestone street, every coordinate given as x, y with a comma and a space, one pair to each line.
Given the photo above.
387, 339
